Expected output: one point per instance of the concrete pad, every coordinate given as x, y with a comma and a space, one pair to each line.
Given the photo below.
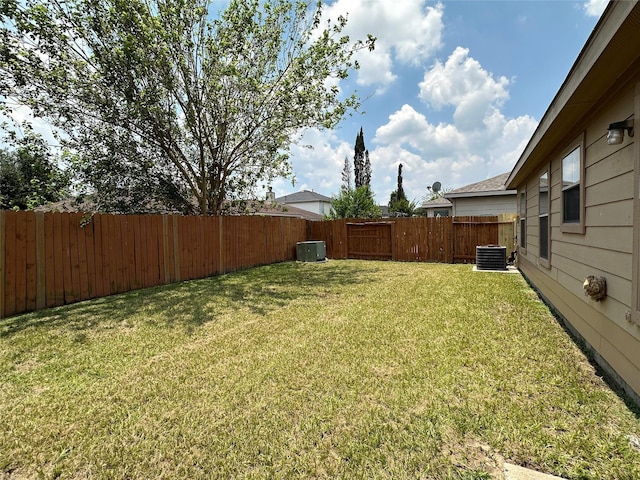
514, 472
510, 269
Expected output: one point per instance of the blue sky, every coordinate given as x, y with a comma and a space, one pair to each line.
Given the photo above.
454, 89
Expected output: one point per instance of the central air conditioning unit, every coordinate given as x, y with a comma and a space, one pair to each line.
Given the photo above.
491, 257
315, 251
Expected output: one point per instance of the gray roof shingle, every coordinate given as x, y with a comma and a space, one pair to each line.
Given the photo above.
490, 186
303, 196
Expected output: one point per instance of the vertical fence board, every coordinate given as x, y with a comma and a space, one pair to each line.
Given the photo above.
59, 260
3, 293
165, 248
10, 263
125, 248
183, 231
31, 272
99, 280
171, 261
200, 248
83, 262
176, 246
154, 257
137, 251
213, 242
221, 245
21, 260
126, 256
41, 265
159, 243
108, 242
65, 263
209, 254
115, 254
90, 240
135, 254
158, 266
74, 254
182, 242
197, 247
151, 252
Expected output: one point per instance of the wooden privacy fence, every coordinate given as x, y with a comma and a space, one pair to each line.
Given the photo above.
51, 259
444, 239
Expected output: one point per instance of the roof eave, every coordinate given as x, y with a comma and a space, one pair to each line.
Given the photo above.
489, 193
595, 72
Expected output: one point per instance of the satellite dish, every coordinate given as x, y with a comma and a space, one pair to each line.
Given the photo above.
436, 187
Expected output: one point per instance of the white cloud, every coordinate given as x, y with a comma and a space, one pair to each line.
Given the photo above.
444, 152
461, 82
411, 128
318, 168
407, 31
594, 8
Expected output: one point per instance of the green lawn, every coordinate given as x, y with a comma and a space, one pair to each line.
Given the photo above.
343, 369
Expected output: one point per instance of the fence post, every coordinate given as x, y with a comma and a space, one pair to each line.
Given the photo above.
2, 254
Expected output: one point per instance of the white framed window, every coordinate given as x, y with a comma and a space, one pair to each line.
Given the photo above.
523, 220
572, 171
543, 219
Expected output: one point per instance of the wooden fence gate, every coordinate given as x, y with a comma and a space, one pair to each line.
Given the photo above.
370, 241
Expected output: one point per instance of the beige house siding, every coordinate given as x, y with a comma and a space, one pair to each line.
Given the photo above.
490, 205
605, 248
615, 349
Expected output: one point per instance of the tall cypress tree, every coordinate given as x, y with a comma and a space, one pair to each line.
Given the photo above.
399, 204
400, 192
346, 175
359, 160
366, 170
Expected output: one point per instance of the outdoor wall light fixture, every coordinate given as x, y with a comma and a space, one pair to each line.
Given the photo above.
616, 131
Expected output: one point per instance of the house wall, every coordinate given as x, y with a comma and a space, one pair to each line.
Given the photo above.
605, 247
315, 207
479, 206
431, 212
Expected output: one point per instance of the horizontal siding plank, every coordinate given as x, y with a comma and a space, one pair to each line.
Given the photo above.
614, 306
612, 165
613, 190
624, 367
601, 259
619, 239
563, 301
619, 214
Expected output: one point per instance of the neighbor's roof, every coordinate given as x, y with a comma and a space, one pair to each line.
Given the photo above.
279, 210
489, 187
253, 207
610, 57
437, 203
303, 196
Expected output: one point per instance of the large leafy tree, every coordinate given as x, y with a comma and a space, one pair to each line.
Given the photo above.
171, 102
354, 203
30, 175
